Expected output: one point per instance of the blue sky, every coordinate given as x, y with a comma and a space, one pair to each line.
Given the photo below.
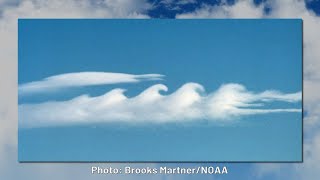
207, 52
170, 8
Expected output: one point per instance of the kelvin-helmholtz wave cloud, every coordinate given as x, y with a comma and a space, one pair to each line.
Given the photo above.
189, 103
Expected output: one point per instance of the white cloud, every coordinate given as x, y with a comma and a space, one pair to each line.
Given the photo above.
308, 170
261, 169
83, 79
10, 11
296, 171
311, 45
188, 103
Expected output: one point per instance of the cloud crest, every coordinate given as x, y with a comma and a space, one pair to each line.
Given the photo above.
79, 79
189, 103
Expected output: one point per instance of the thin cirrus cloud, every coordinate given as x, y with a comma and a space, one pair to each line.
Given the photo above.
189, 103
80, 79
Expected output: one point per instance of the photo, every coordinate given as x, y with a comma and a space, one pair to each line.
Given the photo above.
160, 90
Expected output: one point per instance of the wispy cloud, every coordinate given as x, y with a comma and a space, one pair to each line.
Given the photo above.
188, 103
83, 79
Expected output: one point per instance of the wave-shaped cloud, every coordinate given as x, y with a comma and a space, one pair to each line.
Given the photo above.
83, 79
188, 103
